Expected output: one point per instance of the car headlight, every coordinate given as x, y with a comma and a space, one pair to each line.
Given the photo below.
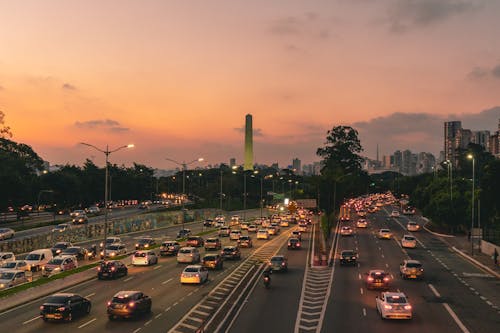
2, 285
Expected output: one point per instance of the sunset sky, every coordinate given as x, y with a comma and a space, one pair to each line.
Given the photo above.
176, 78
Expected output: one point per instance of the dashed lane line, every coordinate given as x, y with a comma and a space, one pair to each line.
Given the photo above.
32, 319
128, 279
90, 295
87, 323
167, 281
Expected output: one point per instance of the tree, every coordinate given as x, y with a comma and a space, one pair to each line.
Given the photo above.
4, 130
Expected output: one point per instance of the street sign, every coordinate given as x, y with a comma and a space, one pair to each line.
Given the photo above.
306, 203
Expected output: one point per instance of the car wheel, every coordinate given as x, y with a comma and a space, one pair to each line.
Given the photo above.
69, 317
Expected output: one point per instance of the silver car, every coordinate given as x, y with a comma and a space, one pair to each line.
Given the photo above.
10, 278
6, 233
188, 254
392, 305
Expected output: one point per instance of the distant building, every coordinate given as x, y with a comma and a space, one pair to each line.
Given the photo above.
232, 162
248, 165
296, 165
452, 140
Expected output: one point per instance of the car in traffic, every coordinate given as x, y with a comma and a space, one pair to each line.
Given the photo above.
377, 279
346, 231
208, 223
64, 306
111, 241
272, 231
38, 258
61, 227
59, 247
412, 226
393, 305
144, 258
194, 274
195, 241
231, 252
409, 242
19, 265
224, 231
59, 264
284, 223
114, 250
395, 213
76, 213
235, 234
278, 263
144, 243
362, 223
94, 210
296, 234
212, 261
252, 228
79, 252
169, 248
111, 269
294, 244
262, 234
384, 234
245, 241
6, 233
11, 277
409, 210
183, 233
411, 269
348, 257
128, 304
302, 227
80, 219
188, 254
213, 243
7, 257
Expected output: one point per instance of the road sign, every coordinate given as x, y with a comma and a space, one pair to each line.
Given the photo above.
306, 203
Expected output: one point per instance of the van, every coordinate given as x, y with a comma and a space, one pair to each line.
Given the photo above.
38, 258
189, 255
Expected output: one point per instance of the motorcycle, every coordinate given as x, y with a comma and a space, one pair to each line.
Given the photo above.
267, 279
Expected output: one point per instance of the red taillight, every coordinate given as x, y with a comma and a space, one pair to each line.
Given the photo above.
41, 307
112, 268
386, 279
298, 244
99, 268
282, 264
109, 303
61, 309
131, 304
370, 278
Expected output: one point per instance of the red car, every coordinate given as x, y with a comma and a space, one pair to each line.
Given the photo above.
195, 241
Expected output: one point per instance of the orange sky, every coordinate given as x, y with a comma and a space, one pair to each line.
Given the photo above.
177, 78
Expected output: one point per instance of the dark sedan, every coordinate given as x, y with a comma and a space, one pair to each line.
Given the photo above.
213, 261
128, 304
294, 244
64, 306
79, 252
59, 247
111, 269
377, 279
231, 252
144, 243
348, 257
195, 241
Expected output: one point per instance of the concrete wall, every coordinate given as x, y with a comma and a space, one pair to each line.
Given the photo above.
489, 248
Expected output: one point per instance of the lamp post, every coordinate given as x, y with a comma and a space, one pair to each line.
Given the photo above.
471, 157
335, 190
184, 167
106, 152
220, 202
450, 176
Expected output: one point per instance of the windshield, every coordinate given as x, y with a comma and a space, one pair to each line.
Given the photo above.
6, 276
408, 238
277, 259
209, 258
185, 251
396, 299
57, 299
140, 254
33, 256
121, 300
112, 247
71, 250
9, 265
55, 261
347, 253
191, 269
59, 246
413, 265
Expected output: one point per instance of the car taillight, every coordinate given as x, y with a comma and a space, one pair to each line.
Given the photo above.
289, 244
370, 278
298, 244
61, 309
197, 275
282, 264
386, 279
131, 304
109, 303
41, 307
408, 307
113, 269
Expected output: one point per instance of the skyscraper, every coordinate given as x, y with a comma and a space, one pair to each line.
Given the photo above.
248, 143
296, 165
451, 140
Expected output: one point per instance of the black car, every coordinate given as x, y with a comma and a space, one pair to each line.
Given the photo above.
183, 233
79, 252
294, 244
230, 252
127, 304
59, 247
348, 257
278, 263
111, 269
144, 243
169, 248
377, 279
64, 306
208, 223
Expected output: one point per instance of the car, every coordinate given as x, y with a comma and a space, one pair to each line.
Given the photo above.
252, 228
384, 234
224, 231
346, 231
362, 223
76, 213
183, 233
409, 211
19, 265
213, 243
262, 234
230, 252
169, 248
245, 241
6, 257
296, 234
194, 274
348, 257
59, 264
80, 219
61, 227
276, 226
208, 223
278, 263
111, 269
377, 279
345, 218
235, 220
235, 234
408, 241
10, 278
411, 269
188, 254
412, 226
59, 247
38, 258
284, 223
64, 306
6, 233
361, 213
114, 250
93, 210
145, 243
393, 305
303, 227
220, 220
111, 241
294, 244
143, 206
272, 231
213, 261
395, 213
128, 304
144, 257
195, 241
79, 252
244, 225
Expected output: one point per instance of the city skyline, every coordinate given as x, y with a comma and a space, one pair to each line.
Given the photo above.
176, 79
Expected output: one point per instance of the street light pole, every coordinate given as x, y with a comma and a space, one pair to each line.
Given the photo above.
470, 156
261, 200
106, 152
220, 199
244, 195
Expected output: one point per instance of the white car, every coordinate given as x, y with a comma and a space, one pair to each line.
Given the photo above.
384, 234
19, 265
412, 226
395, 213
6, 233
114, 250
408, 241
262, 234
77, 212
10, 278
188, 254
252, 228
62, 227
224, 231
194, 274
346, 231
144, 257
112, 241
235, 235
362, 223
7, 257
393, 305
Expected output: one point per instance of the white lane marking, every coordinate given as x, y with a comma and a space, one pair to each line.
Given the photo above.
158, 315
189, 294
455, 318
434, 290
137, 330
361, 290
148, 322
387, 265
128, 279
489, 303
87, 323
364, 312
359, 265
175, 303
359, 276
472, 289
168, 309
483, 298
90, 295
32, 319
382, 256
167, 281
156, 267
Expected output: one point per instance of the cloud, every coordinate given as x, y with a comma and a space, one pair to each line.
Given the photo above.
477, 73
496, 71
1, 88
407, 14
286, 26
67, 86
256, 131
109, 124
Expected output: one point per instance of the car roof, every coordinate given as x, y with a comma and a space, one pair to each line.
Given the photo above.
230, 247
64, 295
188, 248
412, 261
10, 270
384, 230
393, 293
193, 266
375, 271
126, 293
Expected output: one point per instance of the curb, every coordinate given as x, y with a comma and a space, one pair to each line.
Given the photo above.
474, 261
435, 233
